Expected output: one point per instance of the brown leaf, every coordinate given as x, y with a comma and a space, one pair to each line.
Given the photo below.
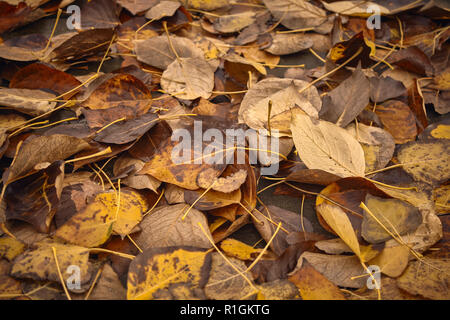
398, 216
398, 120
212, 199
164, 228
428, 280
35, 150
290, 221
297, 14
223, 284
35, 198
385, 88
313, 285
288, 43
32, 102
347, 101
40, 76
157, 51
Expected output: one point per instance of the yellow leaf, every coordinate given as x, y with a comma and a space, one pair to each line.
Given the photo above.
237, 249
10, 247
157, 268
39, 263
94, 224
442, 131
336, 218
313, 285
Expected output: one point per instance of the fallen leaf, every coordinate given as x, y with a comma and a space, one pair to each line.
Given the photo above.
234, 22
162, 9
164, 227
28, 101
35, 198
385, 88
338, 269
290, 221
392, 261
224, 282
378, 145
109, 286
428, 280
336, 218
283, 44
347, 101
225, 184
313, 285
10, 247
38, 263
284, 95
297, 14
426, 161
212, 199
188, 78
398, 216
323, 145
398, 120
156, 268
35, 150
157, 51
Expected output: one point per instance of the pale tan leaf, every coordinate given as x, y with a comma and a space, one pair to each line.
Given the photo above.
323, 145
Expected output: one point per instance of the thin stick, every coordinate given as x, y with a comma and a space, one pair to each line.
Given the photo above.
60, 275
120, 254
156, 203
99, 272
225, 258
196, 200
101, 153
53, 30
332, 71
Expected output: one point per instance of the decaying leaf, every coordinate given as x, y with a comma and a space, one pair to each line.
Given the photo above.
297, 14
188, 78
378, 145
224, 282
338, 269
429, 280
28, 101
397, 216
345, 103
426, 161
336, 218
156, 268
38, 263
313, 285
165, 227
284, 95
107, 212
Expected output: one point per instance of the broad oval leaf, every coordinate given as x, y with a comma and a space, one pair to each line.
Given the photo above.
323, 145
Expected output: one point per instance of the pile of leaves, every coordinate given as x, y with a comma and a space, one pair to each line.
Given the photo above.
90, 191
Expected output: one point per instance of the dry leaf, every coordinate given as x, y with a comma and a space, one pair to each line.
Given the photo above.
284, 95
156, 268
224, 282
188, 78
164, 227
313, 285
398, 216
323, 145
